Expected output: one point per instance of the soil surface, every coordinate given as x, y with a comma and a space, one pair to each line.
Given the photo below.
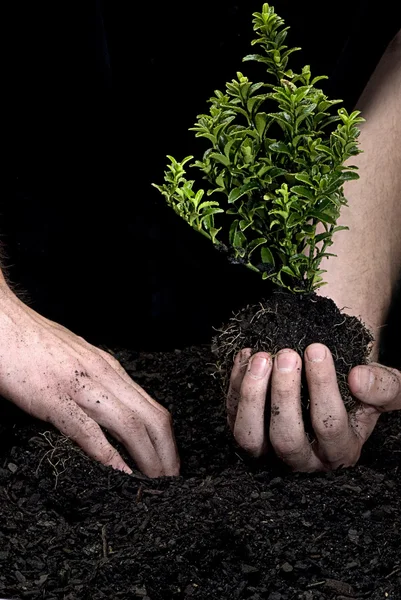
227, 529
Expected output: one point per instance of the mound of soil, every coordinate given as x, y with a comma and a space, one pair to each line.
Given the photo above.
286, 320
227, 529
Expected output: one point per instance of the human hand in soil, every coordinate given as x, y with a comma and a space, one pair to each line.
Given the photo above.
339, 436
58, 377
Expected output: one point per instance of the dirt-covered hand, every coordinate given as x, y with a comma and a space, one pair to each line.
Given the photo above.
339, 436
58, 377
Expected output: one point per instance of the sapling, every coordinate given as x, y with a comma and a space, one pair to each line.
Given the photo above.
273, 190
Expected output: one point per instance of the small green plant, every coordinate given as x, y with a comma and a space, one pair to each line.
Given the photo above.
275, 167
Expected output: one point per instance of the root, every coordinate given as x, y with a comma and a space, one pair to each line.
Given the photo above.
57, 456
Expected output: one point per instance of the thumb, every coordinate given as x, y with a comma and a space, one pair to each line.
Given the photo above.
377, 386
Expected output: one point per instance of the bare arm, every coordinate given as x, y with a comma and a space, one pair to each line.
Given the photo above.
367, 267
58, 377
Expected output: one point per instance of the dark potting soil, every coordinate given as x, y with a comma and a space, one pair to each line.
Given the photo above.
286, 320
228, 528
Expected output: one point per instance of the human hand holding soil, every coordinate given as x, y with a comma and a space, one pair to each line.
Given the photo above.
58, 377
339, 436
374, 245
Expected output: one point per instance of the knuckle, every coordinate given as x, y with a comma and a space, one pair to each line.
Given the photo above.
325, 380
94, 359
286, 448
70, 365
248, 444
285, 389
164, 420
329, 430
107, 454
86, 430
112, 361
321, 375
323, 383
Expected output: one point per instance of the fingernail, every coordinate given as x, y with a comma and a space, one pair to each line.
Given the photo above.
122, 466
365, 380
286, 360
258, 366
316, 353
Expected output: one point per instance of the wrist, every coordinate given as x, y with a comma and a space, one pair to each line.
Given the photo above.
353, 298
3, 282
10, 304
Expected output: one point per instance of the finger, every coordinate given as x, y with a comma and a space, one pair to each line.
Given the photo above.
287, 433
122, 373
74, 423
249, 428
363, 421
126, 425
376, 386
337, 443
161, 433
234, 389
156, 418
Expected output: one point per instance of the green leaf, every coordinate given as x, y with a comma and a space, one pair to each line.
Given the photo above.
280, 147
206, 204
294, 219
318, 285
213, 233
254, 103
321, 216
318, 78
261, 120
299, 259
325, 149
244, 224
241, 191
220, 158
309, 229
323, 255
233, 231
267, 256
209, 212
288, 271
239, 239
306, 112
349, 175
257, 57
207, 135
276, 172
255, 244
281, 213
228, 147
255, 87
304, 177
322, 236
189, 193
303, 191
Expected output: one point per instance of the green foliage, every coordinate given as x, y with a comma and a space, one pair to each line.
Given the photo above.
275, 167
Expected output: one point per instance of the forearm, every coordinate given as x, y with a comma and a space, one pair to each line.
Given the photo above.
363, 276
3, 282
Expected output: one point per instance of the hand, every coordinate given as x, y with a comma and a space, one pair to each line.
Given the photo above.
339, 437
58, 377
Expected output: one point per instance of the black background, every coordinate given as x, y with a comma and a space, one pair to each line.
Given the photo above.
99, 94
